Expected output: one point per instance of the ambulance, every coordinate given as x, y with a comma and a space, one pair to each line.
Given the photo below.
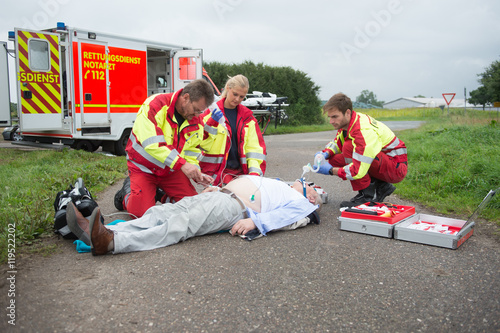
82, 88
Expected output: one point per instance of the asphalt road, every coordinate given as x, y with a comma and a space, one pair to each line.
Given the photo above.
315, 279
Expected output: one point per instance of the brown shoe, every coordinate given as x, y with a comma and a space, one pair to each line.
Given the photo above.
100, 236
78, 224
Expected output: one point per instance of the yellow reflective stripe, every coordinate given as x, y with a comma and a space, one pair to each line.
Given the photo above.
55, 92
27, 106
52, 103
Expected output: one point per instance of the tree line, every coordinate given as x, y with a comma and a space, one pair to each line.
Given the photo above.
489, 91
302, 92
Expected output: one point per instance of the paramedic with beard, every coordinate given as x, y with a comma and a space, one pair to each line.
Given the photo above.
163, 148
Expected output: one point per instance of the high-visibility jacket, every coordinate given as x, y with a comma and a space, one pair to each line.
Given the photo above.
157, 143
369, 138
217, 143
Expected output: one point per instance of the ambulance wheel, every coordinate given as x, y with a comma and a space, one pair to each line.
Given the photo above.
85, 145
121, 144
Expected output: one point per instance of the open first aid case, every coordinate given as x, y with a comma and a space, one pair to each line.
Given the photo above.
368, 219
415, 227
439, 231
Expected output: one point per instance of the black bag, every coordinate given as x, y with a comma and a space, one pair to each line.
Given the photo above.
83, 201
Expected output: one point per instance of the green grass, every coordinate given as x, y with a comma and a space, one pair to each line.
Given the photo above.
30, 181
453, 166
454, 160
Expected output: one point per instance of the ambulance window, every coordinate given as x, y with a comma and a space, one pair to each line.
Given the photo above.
160, 81
39, 55
187, 68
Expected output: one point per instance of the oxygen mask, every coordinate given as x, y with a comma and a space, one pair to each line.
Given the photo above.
318, 160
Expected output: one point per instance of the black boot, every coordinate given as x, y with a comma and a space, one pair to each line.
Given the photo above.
159, 194
366, 195
120, 195
383, 189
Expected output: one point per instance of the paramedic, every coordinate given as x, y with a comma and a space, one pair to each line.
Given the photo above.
163, 148
365, 151
233, 144
247, 203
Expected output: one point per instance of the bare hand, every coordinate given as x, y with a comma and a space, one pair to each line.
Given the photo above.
210, 189
206, 180
242, 227
192, 172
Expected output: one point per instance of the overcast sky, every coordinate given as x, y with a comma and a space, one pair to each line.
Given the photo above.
395, 48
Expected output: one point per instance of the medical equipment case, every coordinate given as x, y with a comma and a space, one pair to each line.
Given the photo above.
463, 230
382, 226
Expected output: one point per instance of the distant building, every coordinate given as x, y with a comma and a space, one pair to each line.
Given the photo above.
361, 105
417, 102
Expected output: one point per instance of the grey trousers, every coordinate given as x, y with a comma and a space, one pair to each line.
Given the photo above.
168, 224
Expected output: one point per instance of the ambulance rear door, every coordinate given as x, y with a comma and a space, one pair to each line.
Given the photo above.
38, 67
187, 65
91, 72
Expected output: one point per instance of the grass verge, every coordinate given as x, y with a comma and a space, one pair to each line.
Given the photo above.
31, 179
452, 166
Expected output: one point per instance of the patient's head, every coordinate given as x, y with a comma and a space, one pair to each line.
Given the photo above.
311, 193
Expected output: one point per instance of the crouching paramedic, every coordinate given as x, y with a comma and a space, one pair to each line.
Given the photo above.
163, 148
365, 151
233, 144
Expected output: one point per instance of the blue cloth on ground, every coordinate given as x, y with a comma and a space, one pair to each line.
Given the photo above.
81, 247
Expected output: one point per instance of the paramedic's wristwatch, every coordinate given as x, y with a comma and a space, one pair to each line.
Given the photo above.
330, 172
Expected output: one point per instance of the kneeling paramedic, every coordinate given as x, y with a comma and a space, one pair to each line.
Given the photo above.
163, 148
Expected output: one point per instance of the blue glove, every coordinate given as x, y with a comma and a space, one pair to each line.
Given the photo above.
324, 153
325, 168
216, 114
